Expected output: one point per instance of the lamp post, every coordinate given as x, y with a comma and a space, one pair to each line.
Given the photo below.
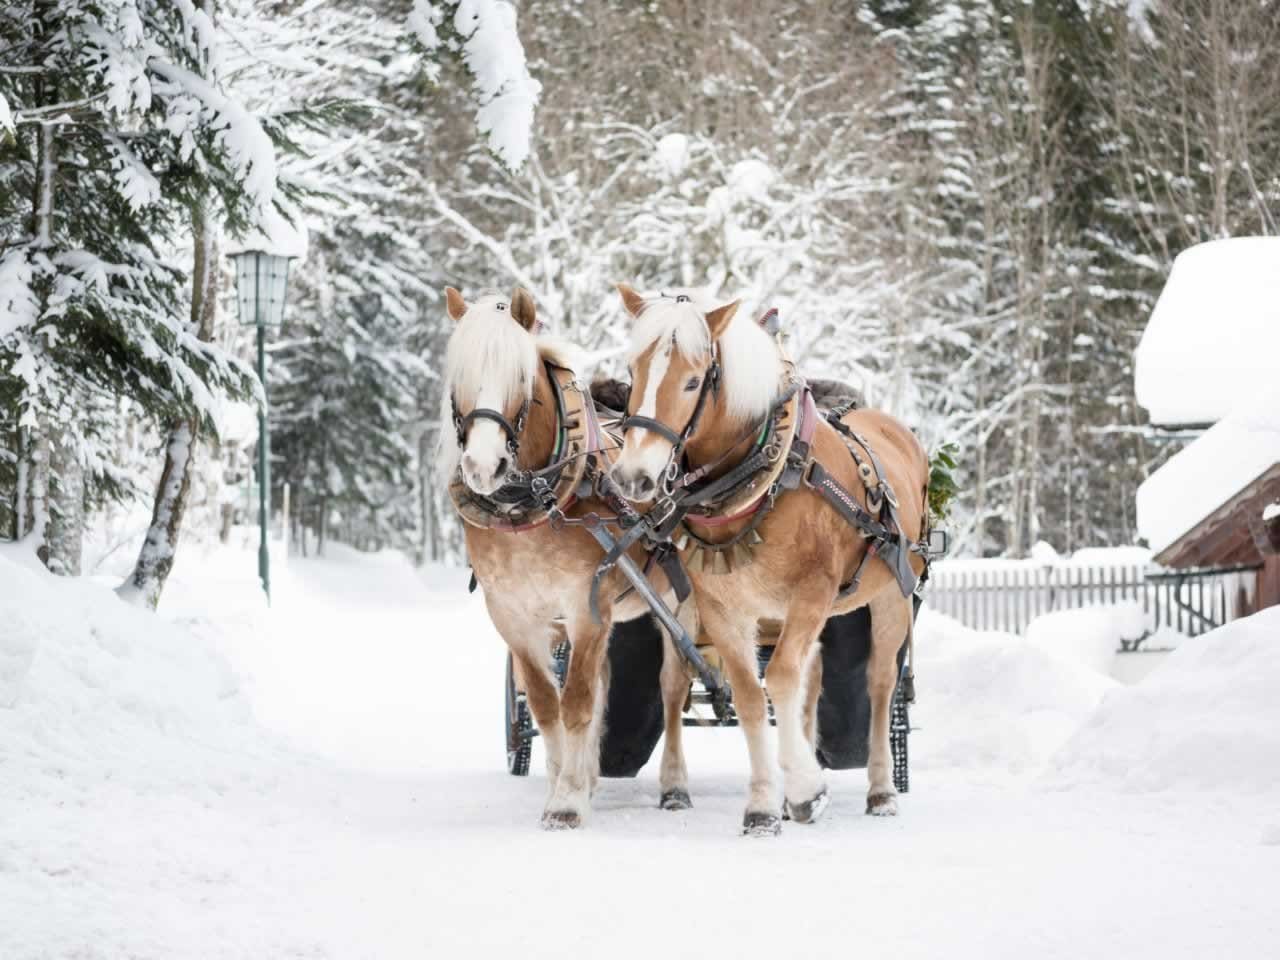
261, 282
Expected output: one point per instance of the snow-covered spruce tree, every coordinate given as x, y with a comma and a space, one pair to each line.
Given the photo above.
223, 120
343, 387
117, 141
412, 69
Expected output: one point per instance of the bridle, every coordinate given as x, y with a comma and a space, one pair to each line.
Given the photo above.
513, 430
678, 441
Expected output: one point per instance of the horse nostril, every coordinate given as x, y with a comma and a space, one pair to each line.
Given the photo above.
468, 464
503, 464
644, 486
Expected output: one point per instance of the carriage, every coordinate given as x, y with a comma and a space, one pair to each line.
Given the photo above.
634, 707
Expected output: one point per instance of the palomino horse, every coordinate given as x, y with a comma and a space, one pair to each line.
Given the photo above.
703, 389
520, 412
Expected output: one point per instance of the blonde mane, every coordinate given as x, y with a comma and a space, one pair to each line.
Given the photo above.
751, 364
488, 347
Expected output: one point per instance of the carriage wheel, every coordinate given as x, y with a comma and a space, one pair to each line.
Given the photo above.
519, 726
899, 728
560, 662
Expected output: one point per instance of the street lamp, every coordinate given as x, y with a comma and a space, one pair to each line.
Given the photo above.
261, 282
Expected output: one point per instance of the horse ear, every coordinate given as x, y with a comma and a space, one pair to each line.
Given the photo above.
454, 304
631, 300
718, 319
523, 310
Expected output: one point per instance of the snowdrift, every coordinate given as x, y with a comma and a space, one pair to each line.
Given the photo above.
996, 703
93, 684
128, 760
1208, 718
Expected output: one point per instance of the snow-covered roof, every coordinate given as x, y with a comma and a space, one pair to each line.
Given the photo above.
1207, 473
1215, 332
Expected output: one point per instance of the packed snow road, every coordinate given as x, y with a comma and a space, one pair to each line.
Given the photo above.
338, 791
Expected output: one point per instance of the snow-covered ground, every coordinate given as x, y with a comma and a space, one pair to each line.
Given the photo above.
325, 779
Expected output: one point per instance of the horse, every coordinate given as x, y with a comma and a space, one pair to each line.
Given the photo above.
516, 409
704, 388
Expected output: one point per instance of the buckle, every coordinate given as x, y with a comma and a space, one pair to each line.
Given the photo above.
661, 512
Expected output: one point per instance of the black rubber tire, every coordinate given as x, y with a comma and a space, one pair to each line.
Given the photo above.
844, 709
633, 720
899, 731
519, 726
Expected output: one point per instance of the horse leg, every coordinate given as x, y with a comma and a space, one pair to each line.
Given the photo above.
890, 618
544, 704
812, 693
673, 775
596, 729
790, 671
571, 798
735, 639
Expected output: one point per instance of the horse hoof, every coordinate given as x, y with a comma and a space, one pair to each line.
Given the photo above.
561, 820
810, 810
882, 804
756, 823
677, 798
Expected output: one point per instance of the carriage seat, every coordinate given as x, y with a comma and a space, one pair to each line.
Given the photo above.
830, 394
611, 397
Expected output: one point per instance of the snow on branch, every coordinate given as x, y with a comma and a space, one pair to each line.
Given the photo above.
19, 306
493, 54
249, 148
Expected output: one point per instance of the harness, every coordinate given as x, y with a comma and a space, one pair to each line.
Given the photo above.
780, 460
878, 523
531, 498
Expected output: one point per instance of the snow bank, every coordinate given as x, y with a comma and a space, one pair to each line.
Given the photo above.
1208, 472
1088, 636
1214, 334
96, 689
993, 702
1207, 718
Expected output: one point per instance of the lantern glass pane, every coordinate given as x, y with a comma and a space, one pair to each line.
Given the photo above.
244, 286
261, 286
277, 286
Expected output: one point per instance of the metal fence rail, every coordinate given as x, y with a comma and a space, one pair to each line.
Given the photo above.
1009, 598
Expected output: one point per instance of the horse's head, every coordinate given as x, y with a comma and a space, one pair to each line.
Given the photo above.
675, 371
490, 367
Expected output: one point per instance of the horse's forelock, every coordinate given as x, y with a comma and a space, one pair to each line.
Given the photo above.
751, 361
488, 348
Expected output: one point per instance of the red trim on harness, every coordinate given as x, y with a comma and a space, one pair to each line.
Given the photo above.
808, 417
595, 435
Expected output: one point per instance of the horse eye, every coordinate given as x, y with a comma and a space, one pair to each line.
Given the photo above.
693, 384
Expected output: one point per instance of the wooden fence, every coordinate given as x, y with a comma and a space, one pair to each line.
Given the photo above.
1009, 597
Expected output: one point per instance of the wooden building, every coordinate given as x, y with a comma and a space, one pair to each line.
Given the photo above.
1239, 532
1206, 373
